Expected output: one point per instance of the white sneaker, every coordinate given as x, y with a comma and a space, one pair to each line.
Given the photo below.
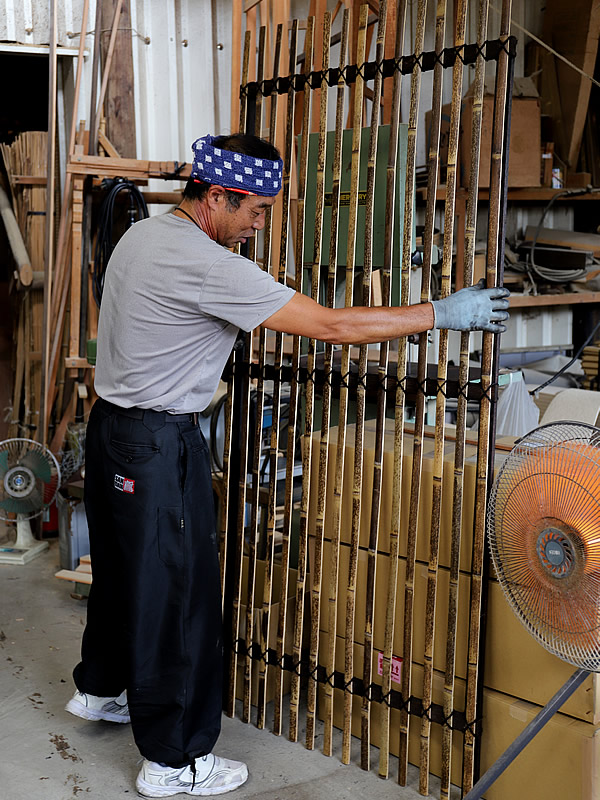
214, 775
88, 706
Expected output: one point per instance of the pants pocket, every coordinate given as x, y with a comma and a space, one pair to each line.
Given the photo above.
170, 535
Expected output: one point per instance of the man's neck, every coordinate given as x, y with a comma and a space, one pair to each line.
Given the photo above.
197, 212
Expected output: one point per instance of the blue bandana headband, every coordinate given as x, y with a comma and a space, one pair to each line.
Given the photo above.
235, 171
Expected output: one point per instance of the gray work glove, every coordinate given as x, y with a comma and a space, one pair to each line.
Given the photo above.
473, 309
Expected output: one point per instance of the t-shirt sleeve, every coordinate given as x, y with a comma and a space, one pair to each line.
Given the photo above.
239, 291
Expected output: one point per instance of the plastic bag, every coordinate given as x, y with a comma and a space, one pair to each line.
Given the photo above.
516, 413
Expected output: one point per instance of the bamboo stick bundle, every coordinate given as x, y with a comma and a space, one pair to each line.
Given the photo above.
459, 452
252, 536
292, 417
278, 362
419, 419
367, 277
438, 459
243, 402
318, 587
495, 244
386, 679
350, 260
317, 566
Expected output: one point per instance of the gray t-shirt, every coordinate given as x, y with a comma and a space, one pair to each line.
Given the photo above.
172, 305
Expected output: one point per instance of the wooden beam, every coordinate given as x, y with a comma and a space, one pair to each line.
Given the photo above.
118, 72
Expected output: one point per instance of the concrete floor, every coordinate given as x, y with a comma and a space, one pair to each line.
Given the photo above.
47, 753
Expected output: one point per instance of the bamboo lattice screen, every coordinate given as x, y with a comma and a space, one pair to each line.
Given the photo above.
352, 533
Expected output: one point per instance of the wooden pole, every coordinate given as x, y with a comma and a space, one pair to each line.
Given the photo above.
236, 412
118, 97
438, 458
365, 743
252, 538
49, 240
317, 565
360, 400
324, 444
419, 419
485, 430
278, 362
293, 414
390, 606
463, 377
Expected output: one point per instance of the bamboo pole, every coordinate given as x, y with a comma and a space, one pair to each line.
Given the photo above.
420, 404
367, 276
292, 417
252, 538
463, 377
278, 361
495, 243
317, 564
49, 232
438, 458
231, 407
325, 421
360, 400
390, 606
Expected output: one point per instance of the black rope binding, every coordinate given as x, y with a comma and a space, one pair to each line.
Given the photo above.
490, 50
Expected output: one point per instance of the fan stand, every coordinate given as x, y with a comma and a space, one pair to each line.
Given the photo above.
25, 547
523, 739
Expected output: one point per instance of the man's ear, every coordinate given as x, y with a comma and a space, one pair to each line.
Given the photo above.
215, 196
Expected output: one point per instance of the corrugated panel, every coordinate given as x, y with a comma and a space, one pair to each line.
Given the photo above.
26, 21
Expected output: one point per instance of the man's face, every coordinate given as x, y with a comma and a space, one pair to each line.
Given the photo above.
237, 225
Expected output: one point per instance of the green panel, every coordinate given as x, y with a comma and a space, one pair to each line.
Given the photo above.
379, 208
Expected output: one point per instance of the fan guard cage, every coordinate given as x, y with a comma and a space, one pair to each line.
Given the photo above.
29, 478
544, 533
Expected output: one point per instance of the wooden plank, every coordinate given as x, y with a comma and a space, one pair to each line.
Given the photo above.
76, 267
108, 146
29, 180
119, 104
82, 164
569, 299
574, 31
574, 239
74, 576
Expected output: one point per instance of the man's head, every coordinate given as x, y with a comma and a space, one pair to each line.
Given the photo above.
235, 179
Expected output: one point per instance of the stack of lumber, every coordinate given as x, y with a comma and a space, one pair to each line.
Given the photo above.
81, 576
590, 361
25, 163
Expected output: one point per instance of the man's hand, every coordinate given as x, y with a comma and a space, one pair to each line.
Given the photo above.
473, 309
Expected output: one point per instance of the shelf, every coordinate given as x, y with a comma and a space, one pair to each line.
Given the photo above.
531, 194
570, 299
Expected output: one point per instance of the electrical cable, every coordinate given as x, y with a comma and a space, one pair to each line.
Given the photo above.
556, 275
568, 364
105, 229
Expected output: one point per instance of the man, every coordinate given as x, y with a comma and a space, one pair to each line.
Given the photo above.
173, 302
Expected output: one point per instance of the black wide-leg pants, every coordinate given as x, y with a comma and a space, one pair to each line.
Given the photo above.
154, 610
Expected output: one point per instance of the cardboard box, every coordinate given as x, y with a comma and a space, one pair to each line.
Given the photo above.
524, 162
562, 761
515, 662
387, 492
258, 623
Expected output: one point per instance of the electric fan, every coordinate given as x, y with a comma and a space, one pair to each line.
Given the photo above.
29, 480
543, 528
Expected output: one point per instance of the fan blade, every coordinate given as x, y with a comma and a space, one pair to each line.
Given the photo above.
31, 504
3, 462
38, 464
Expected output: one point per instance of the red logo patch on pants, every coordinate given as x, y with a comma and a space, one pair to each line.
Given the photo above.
124, 484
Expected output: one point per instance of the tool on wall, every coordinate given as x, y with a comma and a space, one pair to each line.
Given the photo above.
543, 523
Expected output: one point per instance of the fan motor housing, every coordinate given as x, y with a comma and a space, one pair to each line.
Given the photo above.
19, 481
556, 552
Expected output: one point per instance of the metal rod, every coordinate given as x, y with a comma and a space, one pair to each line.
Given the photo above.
360, 398
326, 417
523, 739
477, 567
293, 415
390, 606
459, 452
253, 531
411, 553
237, 460
276, 404
365, 738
